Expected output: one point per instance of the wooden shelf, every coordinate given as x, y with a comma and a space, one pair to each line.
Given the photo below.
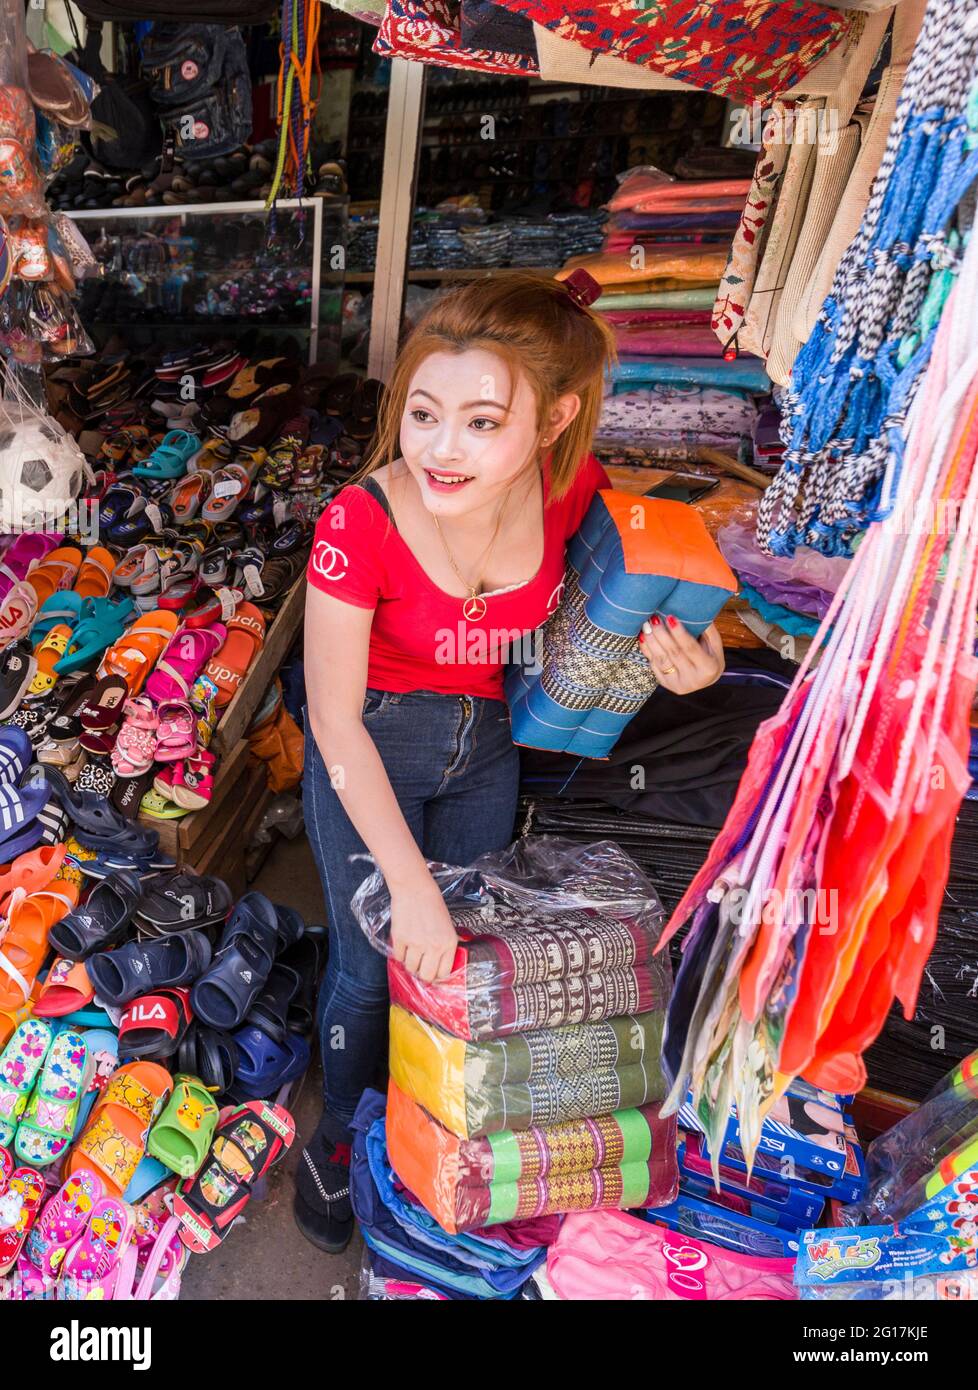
365, 277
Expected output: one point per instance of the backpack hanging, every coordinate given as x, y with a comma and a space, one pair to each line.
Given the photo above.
123, 107
199, 81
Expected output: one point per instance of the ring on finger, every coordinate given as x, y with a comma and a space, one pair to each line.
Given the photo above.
666, 670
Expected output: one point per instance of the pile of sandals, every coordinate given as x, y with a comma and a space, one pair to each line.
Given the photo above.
108, 952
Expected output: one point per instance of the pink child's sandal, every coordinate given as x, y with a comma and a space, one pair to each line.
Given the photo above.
62, 1221
177, 734
91, 1265
186, 655
135, 747
193, 781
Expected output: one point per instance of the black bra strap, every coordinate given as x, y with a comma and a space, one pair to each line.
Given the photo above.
372, 486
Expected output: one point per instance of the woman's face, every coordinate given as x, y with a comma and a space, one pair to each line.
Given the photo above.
461, 443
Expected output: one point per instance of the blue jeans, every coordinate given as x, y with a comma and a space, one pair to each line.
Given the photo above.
455, 772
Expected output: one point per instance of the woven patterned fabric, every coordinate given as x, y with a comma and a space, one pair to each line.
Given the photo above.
622, 1159
430, 32
632, 557
741, 49
544, 1077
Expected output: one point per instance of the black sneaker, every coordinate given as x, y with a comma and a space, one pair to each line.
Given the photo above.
322, 1208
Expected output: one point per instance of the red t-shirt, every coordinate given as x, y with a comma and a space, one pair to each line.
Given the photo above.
420, 639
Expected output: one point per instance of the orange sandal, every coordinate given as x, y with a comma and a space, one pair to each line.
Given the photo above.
55, 572
95, 576
31, 872
245, 639
24, 942
135, 654
114, 1140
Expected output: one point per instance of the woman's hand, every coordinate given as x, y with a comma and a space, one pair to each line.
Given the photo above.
682, 663
422, 935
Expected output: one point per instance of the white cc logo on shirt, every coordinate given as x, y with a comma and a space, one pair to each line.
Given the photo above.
555, 598
328, 561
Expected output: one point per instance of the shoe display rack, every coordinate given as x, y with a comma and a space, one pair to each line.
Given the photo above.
222, 268
214, 839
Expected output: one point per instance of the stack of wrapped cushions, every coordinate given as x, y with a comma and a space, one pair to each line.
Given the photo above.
666, 247
529, 1081
633, 557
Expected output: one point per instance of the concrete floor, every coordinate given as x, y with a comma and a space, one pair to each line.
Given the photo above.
265, 1256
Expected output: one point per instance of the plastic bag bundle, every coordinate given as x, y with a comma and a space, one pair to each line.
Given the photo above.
818, 904
527, 1082
551, 934
929, 1143
855, 379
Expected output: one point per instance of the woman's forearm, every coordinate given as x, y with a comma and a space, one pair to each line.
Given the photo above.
358, 777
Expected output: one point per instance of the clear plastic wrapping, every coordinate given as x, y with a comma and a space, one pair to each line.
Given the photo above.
550, 934
907, 1163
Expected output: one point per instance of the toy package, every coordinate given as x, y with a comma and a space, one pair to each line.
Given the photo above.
733, 1230
765, 1197
808, 1132
879, 1264
932, 1254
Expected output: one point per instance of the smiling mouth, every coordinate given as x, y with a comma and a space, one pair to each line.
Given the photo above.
446, 482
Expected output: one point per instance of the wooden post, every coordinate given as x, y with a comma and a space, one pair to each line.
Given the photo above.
405, 114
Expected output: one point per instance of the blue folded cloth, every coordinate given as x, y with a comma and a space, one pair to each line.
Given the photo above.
743, 374
410, 1238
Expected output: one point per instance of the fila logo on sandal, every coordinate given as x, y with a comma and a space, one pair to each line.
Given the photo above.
141, 1013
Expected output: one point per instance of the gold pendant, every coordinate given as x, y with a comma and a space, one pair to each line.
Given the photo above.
474, 608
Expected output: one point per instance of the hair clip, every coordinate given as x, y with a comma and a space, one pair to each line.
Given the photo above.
582, 288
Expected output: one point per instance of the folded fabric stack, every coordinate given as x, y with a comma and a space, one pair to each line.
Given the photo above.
528, 1082
405, 1241
487, 246
580, 232
672, 416
665, 248
534, 241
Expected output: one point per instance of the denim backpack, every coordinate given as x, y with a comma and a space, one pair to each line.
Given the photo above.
199, 82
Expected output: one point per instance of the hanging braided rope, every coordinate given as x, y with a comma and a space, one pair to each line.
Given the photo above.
854, 381
295, 101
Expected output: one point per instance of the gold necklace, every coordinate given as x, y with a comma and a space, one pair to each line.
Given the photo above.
474, 607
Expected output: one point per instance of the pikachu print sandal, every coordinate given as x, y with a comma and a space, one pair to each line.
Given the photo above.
182, 1135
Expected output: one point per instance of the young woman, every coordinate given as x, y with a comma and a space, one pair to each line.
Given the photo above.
457, 526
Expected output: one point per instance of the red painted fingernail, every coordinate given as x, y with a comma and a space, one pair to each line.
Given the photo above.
655, 621
673, 622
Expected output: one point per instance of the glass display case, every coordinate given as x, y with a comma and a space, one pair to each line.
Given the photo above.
169, 275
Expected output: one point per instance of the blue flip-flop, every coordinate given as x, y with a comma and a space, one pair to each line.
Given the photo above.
18, 812
16, 753
89, 1017
265, 1066
49, 827
144, 867
102, 1045
150, 1172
